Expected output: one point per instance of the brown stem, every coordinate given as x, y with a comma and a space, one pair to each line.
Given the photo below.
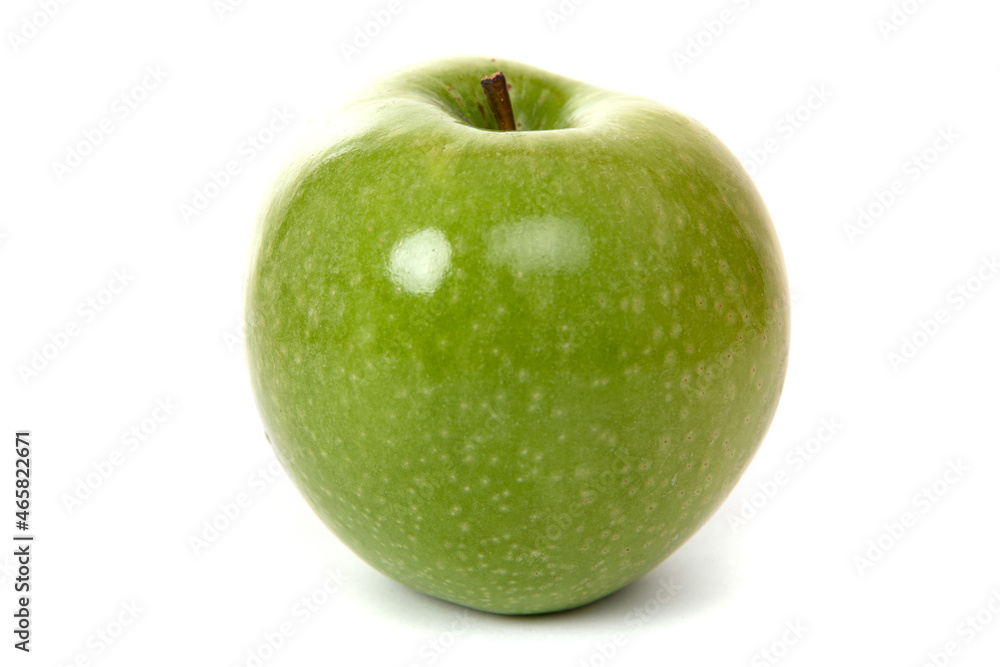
495, 88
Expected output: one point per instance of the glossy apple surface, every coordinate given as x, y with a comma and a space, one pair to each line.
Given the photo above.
514, 370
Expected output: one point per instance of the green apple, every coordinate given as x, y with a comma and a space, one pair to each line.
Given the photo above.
514, 369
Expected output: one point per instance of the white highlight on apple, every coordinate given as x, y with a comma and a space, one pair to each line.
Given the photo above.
539, 245
956, 299
419, 263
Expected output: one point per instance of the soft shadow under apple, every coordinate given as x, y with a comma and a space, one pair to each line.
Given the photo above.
700, 575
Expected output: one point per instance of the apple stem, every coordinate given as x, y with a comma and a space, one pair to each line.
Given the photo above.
495, 89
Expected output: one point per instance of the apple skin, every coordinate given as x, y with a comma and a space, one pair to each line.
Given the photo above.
514, 370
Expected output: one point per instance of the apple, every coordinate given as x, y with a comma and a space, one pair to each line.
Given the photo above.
514, 364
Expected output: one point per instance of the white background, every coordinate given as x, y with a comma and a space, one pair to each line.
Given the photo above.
172, 332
